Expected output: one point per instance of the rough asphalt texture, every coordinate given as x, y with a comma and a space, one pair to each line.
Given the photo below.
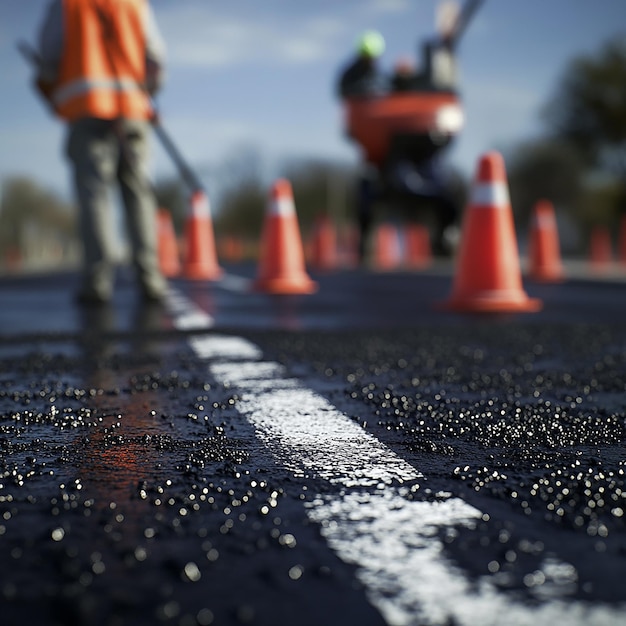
527, 422
132, 492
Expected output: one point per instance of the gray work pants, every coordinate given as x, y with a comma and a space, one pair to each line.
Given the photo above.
105, 153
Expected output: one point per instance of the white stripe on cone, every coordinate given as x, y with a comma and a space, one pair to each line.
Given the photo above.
200, 206
282, 207
490, 195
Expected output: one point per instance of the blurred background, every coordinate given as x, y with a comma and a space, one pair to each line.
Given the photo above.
250, 96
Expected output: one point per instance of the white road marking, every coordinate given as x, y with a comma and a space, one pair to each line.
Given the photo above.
186, 314
226, 347
372, 521
307, 433
236, 283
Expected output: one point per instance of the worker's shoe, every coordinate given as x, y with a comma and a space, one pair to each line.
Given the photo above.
153, 295
153, 287
88, 297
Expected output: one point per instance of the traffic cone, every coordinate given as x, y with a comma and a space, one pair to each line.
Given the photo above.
600, 249
418, 253
200, 254
324, 244
348, 246
281, 264
387, 248
13, 259
488, 278
622, 241
231, 248
544, 253
169, 259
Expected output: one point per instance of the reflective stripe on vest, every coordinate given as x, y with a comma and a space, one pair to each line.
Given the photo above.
82, 86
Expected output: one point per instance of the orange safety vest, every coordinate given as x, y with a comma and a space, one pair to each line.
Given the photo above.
103, 67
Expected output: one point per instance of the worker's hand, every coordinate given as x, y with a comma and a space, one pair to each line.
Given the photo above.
154, 118
45, 90
154, 77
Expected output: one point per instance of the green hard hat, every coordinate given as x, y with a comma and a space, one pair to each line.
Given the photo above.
371, 43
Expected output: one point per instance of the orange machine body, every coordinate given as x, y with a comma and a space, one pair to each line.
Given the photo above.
374, 122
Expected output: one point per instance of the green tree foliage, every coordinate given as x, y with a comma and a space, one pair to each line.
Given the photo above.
241, 204
598, 203
589, 107
588, 110
242, 209
320, 188
30, 215
544, 169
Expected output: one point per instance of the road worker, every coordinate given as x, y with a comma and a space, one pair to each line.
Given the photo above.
405, 76
100, 63
361, 76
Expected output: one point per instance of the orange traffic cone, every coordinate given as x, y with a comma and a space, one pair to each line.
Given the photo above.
600, 249
544, 253
281, 265
200, 255
387, 248
231, 248
488, 276
418, 253
13, 258
348, 246
169, 259
324, 244
622, 241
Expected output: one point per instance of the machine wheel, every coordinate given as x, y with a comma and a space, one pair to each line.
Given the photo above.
365, 198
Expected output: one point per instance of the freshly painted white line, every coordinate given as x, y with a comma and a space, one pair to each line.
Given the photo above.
223, 347
307, 433
401, 563
186, 315
374, 519
232, 282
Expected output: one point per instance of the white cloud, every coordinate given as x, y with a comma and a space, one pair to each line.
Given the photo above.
197, 37
302, 51
388, 6
326, 27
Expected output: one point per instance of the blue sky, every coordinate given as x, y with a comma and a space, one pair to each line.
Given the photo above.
249, 73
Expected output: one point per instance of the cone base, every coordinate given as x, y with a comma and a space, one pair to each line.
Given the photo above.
285, 286
548, 276
494, 303
418, 265
200, 272
170, 272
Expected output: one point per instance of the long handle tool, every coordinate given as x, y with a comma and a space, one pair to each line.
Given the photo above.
185, 171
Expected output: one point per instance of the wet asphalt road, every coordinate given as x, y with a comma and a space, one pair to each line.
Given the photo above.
353, 457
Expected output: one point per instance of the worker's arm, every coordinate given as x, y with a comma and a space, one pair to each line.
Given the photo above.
50, 50
155, 54
50, 44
